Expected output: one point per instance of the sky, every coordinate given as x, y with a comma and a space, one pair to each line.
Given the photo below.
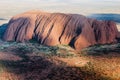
9, 8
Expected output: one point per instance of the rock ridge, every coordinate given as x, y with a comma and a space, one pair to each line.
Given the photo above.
53, 29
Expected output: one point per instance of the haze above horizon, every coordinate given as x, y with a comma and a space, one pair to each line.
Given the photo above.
9, 8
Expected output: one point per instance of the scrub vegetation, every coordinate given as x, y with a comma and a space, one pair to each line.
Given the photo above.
32, 61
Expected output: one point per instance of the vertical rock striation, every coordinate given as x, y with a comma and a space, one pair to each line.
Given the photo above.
57, 28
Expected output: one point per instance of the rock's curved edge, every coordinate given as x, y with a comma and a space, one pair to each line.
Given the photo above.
59, 28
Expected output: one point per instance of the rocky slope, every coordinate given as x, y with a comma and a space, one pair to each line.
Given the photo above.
57, 28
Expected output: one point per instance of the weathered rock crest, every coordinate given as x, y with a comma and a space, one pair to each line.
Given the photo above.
57, 28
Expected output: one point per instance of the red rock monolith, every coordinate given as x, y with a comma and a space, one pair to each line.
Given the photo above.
52, 29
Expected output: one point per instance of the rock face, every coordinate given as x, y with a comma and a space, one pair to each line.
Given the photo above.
58, 28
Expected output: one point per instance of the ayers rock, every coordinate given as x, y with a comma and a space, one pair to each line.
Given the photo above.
52, 29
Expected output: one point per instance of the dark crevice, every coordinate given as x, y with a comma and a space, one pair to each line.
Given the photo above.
18, 29
48, 33
96, 32
72, 42
37, 23
107, 31
26, 28
64, 29
42, 31
43, 28
49, 29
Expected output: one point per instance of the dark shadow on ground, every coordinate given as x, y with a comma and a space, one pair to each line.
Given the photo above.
104, 50
42, 68
107, 16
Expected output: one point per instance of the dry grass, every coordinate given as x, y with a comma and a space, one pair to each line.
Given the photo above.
107, 65
30, 61
105, 59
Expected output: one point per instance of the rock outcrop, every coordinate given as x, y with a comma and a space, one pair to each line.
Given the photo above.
58, 28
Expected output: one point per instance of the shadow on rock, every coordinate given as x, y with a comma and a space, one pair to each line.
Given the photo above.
42, 68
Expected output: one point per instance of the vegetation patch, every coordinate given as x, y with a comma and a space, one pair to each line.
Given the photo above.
39, 62
98, 50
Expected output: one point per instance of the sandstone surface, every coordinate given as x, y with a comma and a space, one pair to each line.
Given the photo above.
53, 29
